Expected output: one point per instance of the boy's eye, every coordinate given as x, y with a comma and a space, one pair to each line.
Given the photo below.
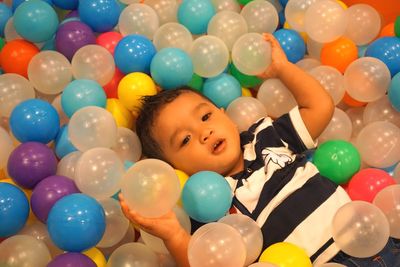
206, 116
186, 140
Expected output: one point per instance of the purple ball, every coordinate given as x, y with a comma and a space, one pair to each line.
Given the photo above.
72, 259
48, 191
30, 163
73, 35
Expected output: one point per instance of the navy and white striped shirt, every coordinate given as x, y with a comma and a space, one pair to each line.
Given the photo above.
282, 191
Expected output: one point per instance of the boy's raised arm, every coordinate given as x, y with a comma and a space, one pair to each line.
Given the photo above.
315, 104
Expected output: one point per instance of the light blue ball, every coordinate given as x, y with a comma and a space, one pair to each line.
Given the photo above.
34, 120
66, 4
100, 15
206, 196
63, 145
5, 14
36, 21
394, 92
82, 93
16, 3
195, 15
134, 53
222, 89
14, 209
171, 68
386, 49
76, 222
292, 44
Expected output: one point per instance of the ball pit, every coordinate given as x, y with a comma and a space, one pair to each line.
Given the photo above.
71, 78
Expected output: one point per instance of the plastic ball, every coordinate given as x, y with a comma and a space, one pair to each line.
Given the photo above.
337, 160
244, 80
196, 83
286, 254
386, 49
72, 259
16, 55
7, 146
360, 229
97, 256
56, 103
150, 187
325, 21
251, 54
226, 5
332, 81
14, 89
216, 244
206, 196
100, 15
132, 254
66, 166
374, 76
109, 40
134, 54
222, 89
339, 53
261, 16
173, 34
128, 147
166, 10
34, 120
76, 222
111, 88
292, 44
5, 15
210, 56
364, 23
340, 127
356, 116
14, 210
81, 93
92, 127
48, 192
23, 250
381, 110
228, 26
295, 12
365, 184
394, 92
36, 21
122, 116
388, 201
138, 19
195, 15
73, 35
379, 144
132, 87
49, 72
66, 4
171, 68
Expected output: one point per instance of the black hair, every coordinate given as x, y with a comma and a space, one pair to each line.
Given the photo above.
148, 113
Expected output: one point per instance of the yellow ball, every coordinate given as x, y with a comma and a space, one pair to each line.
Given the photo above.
246, 92
3, 174
123, 117
97, 256
285, 254
132, 87
343, 5
183, 177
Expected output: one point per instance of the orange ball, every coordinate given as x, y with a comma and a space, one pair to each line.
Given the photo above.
351, 102
16, 55
387, 31
339, 53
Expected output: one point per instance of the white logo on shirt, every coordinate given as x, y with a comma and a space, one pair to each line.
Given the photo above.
280, 159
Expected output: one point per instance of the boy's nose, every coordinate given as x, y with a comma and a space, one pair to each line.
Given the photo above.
205, 135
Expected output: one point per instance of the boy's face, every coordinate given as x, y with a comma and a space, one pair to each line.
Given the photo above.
195, 135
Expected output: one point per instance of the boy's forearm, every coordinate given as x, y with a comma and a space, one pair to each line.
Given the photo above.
178, 247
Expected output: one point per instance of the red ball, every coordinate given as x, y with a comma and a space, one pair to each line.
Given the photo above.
111, 88
109, 40
365, 184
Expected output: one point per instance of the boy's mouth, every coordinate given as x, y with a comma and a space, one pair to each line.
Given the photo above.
219, 145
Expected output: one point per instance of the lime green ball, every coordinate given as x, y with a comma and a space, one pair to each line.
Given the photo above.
337, 160
244, 80
244, 2
196, 83
2, 43
397, 27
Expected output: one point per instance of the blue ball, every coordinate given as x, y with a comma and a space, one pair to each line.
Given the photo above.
76, 222
195, 15
387, 49
66, 4
100, 15
206, 196
292, 43
394, 92
134, 53
5, 14
222, 89
36, 21
14, 209
34, 120
283, 2
49, 45
63, 145
82, 93
171, 68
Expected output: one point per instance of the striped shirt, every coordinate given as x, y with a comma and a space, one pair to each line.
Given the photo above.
282, 191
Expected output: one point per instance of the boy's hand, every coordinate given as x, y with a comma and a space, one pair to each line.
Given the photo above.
164, 227
278, 58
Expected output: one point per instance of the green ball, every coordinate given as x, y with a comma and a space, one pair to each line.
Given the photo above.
244, 2
196, 82
2, 43
397, 27
337, 160
244, 80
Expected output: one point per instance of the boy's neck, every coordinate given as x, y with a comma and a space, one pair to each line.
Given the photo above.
239, 166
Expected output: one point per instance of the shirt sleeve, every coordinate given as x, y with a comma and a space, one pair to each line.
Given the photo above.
292, 130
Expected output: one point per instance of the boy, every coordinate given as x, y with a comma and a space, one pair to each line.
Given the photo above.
272, 181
